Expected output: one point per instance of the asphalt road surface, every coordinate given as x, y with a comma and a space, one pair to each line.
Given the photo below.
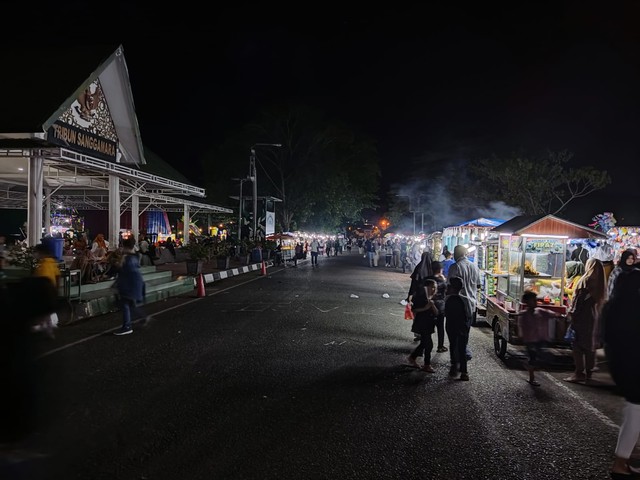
288, 377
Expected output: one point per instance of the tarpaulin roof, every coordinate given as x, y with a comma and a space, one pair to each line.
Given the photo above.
481, 222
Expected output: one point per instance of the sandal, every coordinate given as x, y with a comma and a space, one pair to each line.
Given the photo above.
575, 379
442, 349
533, 383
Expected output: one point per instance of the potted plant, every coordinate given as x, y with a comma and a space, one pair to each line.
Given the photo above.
245, 251
221, 250
197, 253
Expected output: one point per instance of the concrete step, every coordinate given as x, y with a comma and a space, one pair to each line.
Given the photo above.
104, 301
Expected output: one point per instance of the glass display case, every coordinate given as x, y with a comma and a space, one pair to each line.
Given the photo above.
533, 263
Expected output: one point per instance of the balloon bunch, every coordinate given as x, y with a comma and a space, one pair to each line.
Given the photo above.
603, 221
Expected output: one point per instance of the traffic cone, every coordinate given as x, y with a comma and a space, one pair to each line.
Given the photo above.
200, 286
263, 270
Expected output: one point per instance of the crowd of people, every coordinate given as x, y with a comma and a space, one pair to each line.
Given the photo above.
602, 313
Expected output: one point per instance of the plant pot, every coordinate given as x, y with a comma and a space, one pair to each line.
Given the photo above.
223, 262
194, 267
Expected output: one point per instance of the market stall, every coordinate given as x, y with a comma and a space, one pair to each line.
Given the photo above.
531, 256
470, 233
287, 243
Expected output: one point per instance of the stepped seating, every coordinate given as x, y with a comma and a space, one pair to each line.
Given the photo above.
85, 301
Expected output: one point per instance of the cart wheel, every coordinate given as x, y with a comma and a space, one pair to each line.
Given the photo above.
499, 343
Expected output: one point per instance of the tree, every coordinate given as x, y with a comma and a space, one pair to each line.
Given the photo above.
324, 173
539, 184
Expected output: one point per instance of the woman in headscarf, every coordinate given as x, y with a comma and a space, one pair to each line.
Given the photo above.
575, 271
621, 320
421, 272
625, 264
584, 313
423, 269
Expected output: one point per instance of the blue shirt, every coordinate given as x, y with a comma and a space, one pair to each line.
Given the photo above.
445, 266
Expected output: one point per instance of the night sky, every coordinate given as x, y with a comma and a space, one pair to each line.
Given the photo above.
451, 83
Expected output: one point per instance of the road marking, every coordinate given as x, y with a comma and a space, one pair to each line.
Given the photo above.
601, 416
168, 309
324, 311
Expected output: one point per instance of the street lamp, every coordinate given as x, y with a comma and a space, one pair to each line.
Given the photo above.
254, 178
421, 211
410, 211
241, 180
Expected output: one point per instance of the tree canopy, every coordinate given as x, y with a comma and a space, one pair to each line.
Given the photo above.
539, 184
324, 173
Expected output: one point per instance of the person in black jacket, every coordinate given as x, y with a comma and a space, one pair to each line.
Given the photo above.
439, 299
458, 326
621, 320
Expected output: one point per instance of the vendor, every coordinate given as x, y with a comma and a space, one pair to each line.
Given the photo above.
575, 270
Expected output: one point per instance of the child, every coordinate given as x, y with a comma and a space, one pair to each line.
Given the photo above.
458, 325
533, 324
424, 322
439, 299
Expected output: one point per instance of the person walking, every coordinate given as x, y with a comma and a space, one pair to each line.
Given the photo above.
130, 286
315, 248
533, 328
424, 322
447, 262
584, 315
455, 309
626, 263
439, 299
470, 275
621, 321
422, 271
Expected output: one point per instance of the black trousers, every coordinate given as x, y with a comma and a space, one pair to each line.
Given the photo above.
458, 349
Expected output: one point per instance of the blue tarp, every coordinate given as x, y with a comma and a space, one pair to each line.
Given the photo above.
481, 222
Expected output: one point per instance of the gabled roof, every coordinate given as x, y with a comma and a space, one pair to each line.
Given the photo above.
546, 225
157, 166
35, 82
39, 85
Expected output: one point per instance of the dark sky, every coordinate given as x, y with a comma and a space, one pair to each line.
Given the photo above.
426, 80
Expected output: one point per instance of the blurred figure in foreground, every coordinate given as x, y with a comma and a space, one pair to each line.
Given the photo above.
621, 320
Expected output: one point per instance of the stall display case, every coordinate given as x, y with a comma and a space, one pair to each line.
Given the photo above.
531, 257
490, 271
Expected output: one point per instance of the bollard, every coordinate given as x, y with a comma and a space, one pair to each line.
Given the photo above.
263, 270
200, 286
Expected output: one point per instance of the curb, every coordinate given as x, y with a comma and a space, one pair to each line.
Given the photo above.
216, 276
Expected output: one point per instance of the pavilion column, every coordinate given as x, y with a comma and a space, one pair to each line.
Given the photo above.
186, 222
47, 212
114, 211
135, 216
34, 200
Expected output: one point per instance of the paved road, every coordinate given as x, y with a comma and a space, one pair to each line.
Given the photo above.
288, 377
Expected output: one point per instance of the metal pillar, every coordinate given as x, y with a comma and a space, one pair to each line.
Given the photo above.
34, 201
185, 224
114, 212
254, 179
135, 217
47, 212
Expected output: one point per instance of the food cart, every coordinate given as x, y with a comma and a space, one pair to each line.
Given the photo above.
531, 256
470, 233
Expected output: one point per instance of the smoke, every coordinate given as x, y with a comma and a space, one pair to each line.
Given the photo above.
499, 209
444, 199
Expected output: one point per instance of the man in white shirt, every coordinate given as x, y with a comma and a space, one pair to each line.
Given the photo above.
314, 247
470, 275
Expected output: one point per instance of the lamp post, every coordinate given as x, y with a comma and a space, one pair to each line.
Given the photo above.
410, 211
421, 211
241, 180
254, 179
